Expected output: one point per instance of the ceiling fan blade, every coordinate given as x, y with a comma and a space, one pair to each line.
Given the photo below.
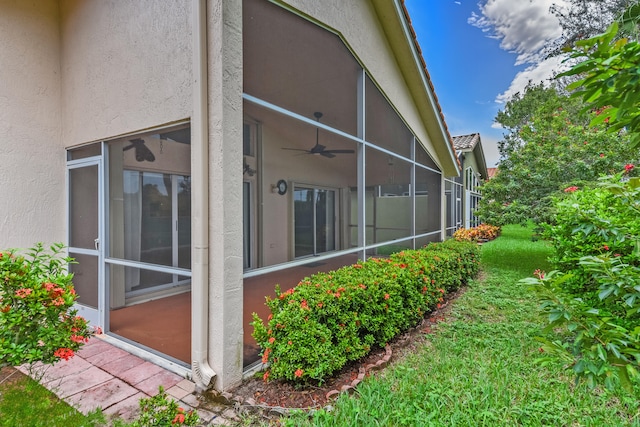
327, 154
128, 147
296, 149
340, 151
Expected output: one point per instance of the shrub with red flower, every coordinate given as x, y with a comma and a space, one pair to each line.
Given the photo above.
334, 318
37, 319
474, 234
571, 189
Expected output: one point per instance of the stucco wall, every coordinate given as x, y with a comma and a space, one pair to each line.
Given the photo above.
126, 66
31, 156
358, 24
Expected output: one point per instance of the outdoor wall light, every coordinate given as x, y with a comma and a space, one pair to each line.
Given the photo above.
280, 187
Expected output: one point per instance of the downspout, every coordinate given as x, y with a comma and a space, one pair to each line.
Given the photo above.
202, 372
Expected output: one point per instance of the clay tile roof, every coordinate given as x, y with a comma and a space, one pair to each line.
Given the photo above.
424, 68
466, 142
491, 172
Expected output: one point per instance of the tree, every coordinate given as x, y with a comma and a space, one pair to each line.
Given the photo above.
549, 147
581, 19
610, 80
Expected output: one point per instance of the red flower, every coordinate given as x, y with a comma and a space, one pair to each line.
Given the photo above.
628, 167
605, 247
265, 377
298, 373
386, 296
571, 189
272, 340
23, 292
179, 419
64, 353
78, 338
601, 154
539, 274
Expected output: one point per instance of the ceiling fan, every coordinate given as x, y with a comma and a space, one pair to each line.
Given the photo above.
142, 152
319, 149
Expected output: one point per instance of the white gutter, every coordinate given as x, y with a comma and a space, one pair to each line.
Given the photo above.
201, 370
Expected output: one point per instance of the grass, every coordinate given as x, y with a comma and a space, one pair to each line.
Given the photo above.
478, 368
25, 403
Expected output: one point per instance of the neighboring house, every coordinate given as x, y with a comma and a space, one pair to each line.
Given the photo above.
465, 187
491, 172
193, 154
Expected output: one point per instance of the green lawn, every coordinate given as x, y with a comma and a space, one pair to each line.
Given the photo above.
478, 368
25, 403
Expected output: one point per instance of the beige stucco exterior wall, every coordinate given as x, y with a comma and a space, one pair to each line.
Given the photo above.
32, 172
126, 66
358, 24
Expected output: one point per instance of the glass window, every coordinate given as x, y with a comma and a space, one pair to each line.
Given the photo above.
314, 221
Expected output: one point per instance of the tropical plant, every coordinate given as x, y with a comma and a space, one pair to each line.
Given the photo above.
595, 292
37, 319
329, 319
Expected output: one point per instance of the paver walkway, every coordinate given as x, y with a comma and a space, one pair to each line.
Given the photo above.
102, 375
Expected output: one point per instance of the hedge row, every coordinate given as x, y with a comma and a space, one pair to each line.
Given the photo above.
332, 318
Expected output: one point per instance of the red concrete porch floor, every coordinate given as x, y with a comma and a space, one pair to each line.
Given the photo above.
103, 376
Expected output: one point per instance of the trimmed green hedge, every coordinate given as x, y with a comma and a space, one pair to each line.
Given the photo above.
332, 318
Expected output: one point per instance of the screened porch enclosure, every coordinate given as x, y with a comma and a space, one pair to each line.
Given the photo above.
357, 182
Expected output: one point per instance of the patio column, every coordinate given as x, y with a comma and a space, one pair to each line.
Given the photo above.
225, 188
217, 211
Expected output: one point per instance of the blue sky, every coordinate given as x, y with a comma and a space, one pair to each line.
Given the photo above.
479, 53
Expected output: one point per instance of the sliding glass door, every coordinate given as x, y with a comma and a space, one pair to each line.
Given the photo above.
314, 216
157, 225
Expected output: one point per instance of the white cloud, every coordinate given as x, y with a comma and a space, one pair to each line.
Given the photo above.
523, 27
543, 71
